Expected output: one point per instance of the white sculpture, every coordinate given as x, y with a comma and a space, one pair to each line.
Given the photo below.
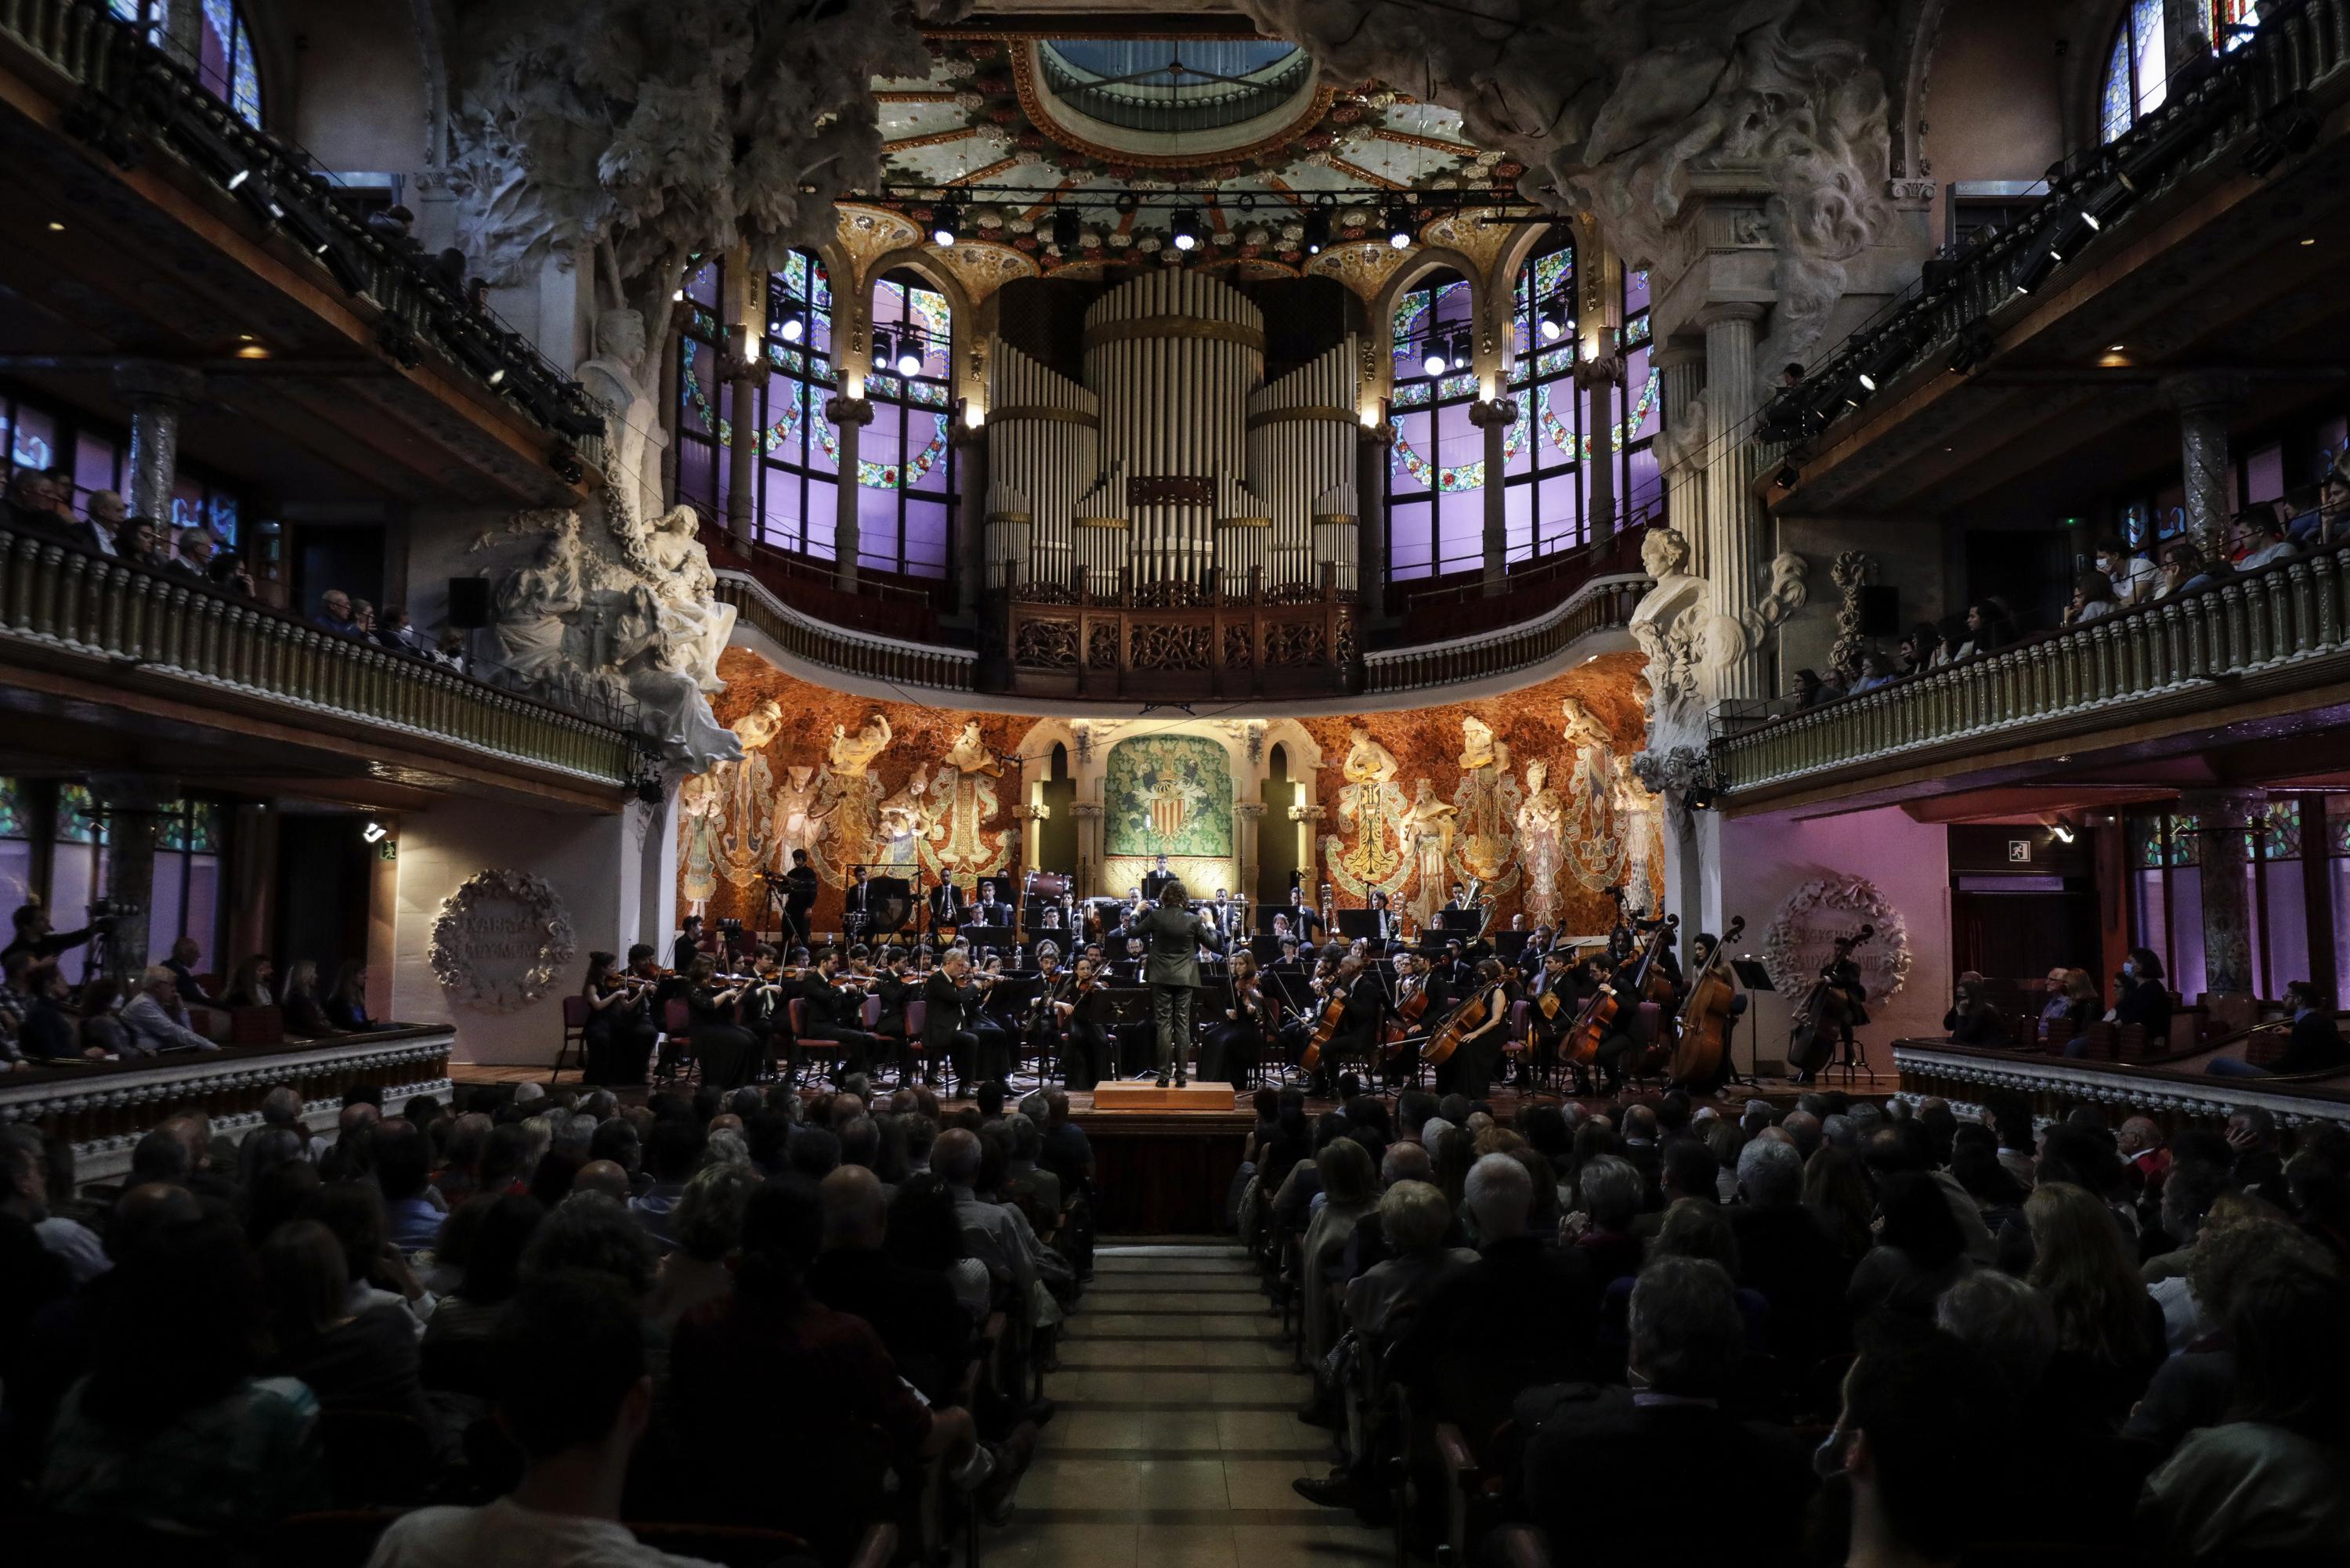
660, 676
1689, 642
684, 587
535, 602
622, 376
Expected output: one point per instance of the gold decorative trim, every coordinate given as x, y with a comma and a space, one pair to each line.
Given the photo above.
1011, 517
1322, 517
1041, 411
1101, 523
1358, 172
1244, 522
1317, 413
933, 139
1032, 104
1174, 327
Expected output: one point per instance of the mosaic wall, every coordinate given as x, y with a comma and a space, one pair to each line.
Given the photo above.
1527, 794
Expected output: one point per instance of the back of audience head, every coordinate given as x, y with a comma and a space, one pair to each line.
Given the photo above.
1688, 1337
591, 1233
707, 1222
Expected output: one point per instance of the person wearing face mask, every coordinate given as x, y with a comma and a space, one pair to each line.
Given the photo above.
2135, 578
1625, 1444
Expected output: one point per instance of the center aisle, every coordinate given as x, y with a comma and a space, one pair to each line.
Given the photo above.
1176, 1434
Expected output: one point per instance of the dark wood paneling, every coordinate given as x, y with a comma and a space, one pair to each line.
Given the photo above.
1157, 1178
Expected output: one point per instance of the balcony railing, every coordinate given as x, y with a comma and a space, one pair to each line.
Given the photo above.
2281, 628
134, 96
2055, 1085
843, 648
2258, 93
1600, 605
60, 600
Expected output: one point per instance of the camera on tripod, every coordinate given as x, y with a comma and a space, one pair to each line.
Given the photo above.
106, 912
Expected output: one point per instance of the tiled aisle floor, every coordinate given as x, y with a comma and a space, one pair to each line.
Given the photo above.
1177, 1435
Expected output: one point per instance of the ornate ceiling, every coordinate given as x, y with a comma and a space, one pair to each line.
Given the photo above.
1247, 133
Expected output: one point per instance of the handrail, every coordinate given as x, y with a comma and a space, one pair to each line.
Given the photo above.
57, 596
135, 96
1599, 604
1959, 1074
843, 649
2248, 89
2271, 623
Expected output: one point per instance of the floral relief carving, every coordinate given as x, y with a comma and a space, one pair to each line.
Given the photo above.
1156, 645
1045, 645
1238, 653
1289, 645
1101, 647
502, 941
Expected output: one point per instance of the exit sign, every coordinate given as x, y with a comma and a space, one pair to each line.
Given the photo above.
2019, 852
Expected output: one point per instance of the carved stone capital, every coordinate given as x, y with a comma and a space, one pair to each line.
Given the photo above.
1025, 813
964, 436
1379, 434
843, 411
734, 367
1607, 370
1909, 192
1721, 310
2195, 390
1486, 413
1086, 810
1249, 809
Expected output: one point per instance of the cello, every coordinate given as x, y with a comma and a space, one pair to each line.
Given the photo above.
1811, 1038
1606, 1004
1467, 1017
1703, 1049
1333, 1011
1412, 1001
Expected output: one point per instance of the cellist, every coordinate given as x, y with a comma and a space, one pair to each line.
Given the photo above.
1470, 1069
1621, 1046
1555, 1002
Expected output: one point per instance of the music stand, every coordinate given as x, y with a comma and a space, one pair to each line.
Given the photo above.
1753, 977
1508, 945
1363, 923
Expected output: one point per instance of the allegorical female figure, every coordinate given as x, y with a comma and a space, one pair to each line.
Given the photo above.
1542, 845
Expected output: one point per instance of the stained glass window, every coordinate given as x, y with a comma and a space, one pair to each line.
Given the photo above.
906, 462
2136, 70
1436, 466
222, 51
16, 843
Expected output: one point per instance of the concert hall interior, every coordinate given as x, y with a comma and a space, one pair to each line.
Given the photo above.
1260, 783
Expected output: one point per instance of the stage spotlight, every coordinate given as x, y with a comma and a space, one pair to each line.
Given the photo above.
881, 346
1317, 229
2288, 128
1787, 476
1974, 346
1184, 224
2069, 233
1068, 229
1553, 325
792, 327
1434, 361
946, 224
1464, 349
565, 460
909, 357
1398, 224
1884, 358
2033, 270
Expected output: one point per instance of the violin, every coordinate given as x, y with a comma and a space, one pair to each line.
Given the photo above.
1703, 1052
1826, 1010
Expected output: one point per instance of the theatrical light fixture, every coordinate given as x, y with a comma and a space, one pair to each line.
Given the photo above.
1434, 361
1397, 221
1553, 325
1974, 346
375, 833
881, 354
1068, 229
2070, 233
1787, 475
565, 460
2288, 128
1184, 224
909, 357
792, 327
946, 224
1464, 351
1884, 358
1317, 229
2033, 270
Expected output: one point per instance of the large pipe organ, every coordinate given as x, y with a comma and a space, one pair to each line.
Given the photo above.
1175, 466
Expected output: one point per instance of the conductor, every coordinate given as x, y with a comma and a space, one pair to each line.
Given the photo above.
1173, 937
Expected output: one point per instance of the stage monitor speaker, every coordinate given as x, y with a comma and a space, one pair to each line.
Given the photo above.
469, 603
1880, 611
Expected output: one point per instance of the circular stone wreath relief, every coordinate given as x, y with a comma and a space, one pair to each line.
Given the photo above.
501, 941
1802, 938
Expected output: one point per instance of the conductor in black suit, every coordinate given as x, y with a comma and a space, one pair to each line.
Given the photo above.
1172, 937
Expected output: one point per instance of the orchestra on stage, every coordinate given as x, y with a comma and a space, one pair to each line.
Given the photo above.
977, 981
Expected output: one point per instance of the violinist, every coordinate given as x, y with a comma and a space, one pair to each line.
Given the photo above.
1080, 1011
832, 1012
619, 1038
687, 946
952, 1003
892, 986
1470, 1069
1235, 1045
764, 1009
728, 1053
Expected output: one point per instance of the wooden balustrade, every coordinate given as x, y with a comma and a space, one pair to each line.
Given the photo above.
2283, 627
843, 649
1603, 604
1935, 1069
60, 601
1179, 641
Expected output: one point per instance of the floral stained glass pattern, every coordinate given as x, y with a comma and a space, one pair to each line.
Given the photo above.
2136, 74
16, 810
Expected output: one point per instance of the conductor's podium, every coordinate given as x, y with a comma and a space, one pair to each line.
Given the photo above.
1146, 1095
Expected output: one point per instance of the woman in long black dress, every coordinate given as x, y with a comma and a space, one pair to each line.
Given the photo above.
729, 1054
619, 1035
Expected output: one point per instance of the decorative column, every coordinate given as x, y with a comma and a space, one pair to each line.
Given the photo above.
1027, 836
742, 312
1600, 377
1494, 416
1309, 859
848, 416
1729, 554
135, 805
2224, 819
1681, 450
1247, 815
970, 515
155, 393
1088, 815
1372, 450
2204, 401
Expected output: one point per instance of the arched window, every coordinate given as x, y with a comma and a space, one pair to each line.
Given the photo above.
906, 465
2137, 64
221, 53
1549, 453
1436, 468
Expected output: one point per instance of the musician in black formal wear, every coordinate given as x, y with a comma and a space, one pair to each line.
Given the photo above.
729, 1054
951, 1002
946, 904
799, 898
857, 904
1470, 1069
1459, 903
992, 910
1081, 1011
687, 946
1383, 919
765, 1008
832, 1011
617, 1041
1236, 1044
1555, 1000
890, 985
1175, 935
1352, 1042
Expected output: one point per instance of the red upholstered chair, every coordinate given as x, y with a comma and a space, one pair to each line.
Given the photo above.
674, 1046
917, 1013
574, 1043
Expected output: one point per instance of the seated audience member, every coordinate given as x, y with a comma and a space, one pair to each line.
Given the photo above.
1624, 1445
672, 1152
403, 1174
230, 576
1918, 1445
2315, 1044
1875, 672
2184, 570
24, 1194
2274, 1477
1415, 1220
306, 1016
925, 1233
2140, 998
155, 1021
708, 1225
195, 557
364, 1360
1920, 1249
173, 1426
1787, 1255
1810, 689
773, 1346
335, 614
347, 1003
2265, 544
182, 965
395, 631
576, 1432
254, 984
2134, 577
914, 1310
2092, 599
1972, 1019
1609, 1189
106, 512
1350, 1190
457, 1348
2109, 1332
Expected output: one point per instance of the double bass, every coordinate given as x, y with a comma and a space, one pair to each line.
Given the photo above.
1703, 1050
1824, 1011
